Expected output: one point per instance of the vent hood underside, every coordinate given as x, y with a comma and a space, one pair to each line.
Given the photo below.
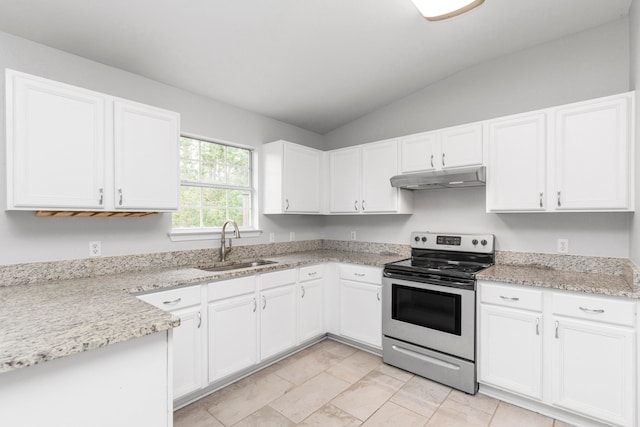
452, 178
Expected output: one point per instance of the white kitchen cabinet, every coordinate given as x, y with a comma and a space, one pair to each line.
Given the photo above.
448, 148
517, 175
292, 178
510, 337
73, 149
593, 154
569, 351
359, 180
188, 338
310, 302
278, 315
360, 304
568, 158
147, 175
232, 326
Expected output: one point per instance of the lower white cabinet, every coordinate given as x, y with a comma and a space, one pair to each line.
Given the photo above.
187, 338
360, 306
567, 350
277, 312
310, 302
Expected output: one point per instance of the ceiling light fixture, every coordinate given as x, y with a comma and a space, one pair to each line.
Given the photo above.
437, 10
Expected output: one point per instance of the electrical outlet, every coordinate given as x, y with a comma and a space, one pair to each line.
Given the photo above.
292, 236
272, 237
563, 246
95, 249
353, 235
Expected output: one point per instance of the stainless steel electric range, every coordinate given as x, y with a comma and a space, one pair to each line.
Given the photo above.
428, 307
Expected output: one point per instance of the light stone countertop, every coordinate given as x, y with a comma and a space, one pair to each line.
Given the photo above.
48, 320
541, 276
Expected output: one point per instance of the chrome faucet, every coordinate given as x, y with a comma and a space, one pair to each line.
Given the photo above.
224, 250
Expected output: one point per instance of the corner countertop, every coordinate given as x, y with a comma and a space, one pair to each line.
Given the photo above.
617, 285
48, 320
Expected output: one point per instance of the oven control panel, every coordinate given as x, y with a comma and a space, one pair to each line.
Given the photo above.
453, 242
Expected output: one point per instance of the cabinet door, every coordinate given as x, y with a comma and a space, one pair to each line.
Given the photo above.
360, 312
593, 370
379, 164
461, 146
301, 179
310, 309
233, 339
277, 320
511, 350
517, 164
419, 152
592, 155
146, 157
187, 351
344, 180
55, 145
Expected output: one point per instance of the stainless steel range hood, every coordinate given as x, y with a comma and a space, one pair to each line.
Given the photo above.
452, 178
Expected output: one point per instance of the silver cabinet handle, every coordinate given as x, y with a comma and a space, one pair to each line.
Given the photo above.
378, 294
199, 319
363, 205
286, 208
537, 326
432, 160
559, 203
442, 159
355, 205
264, 302
588, 310
120, 194
255, 305
175, 301
101, 194
359, 274
541, 205
312, 273
509, 298
557, 324
302, 287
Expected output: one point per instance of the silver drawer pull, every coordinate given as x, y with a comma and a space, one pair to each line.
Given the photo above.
175, 301
588, 310
359, 274
557, 325
303, 291
432, 160
509, 298
378, 295
255, 305
264, 302
537, 326
199, 319
312, 273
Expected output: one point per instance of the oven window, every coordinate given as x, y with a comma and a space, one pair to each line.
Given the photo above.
430, 309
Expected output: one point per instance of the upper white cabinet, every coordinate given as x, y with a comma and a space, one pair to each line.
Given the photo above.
576, 157
73, 149
292, 178
359, 180
517, 173
448, 148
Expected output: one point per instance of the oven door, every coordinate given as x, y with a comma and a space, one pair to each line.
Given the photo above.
437, 317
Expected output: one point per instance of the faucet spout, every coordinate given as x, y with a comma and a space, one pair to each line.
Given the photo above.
224, 249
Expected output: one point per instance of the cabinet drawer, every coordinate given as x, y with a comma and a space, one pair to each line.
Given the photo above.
360, 273
277, 278
311, 272
173, 299
231, 288
511, 296
599, 309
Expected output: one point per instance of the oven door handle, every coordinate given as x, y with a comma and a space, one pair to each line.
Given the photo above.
426, 358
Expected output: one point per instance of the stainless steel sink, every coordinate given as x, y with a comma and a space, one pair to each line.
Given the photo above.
238, 265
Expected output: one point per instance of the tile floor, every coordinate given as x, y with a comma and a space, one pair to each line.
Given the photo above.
331, 384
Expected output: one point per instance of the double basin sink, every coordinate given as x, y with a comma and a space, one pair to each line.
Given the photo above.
238, 265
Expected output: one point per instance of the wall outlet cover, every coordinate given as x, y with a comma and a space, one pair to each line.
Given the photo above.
353, 235
563, 246
292, 236
95, 248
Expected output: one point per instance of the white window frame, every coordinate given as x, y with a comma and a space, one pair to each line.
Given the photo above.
208, 233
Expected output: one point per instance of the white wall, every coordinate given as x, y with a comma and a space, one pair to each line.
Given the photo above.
634, 36
24, 238
582, 66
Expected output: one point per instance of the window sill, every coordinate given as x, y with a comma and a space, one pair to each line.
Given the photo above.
187, 235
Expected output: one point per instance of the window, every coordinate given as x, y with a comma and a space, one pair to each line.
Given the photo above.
216, 185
